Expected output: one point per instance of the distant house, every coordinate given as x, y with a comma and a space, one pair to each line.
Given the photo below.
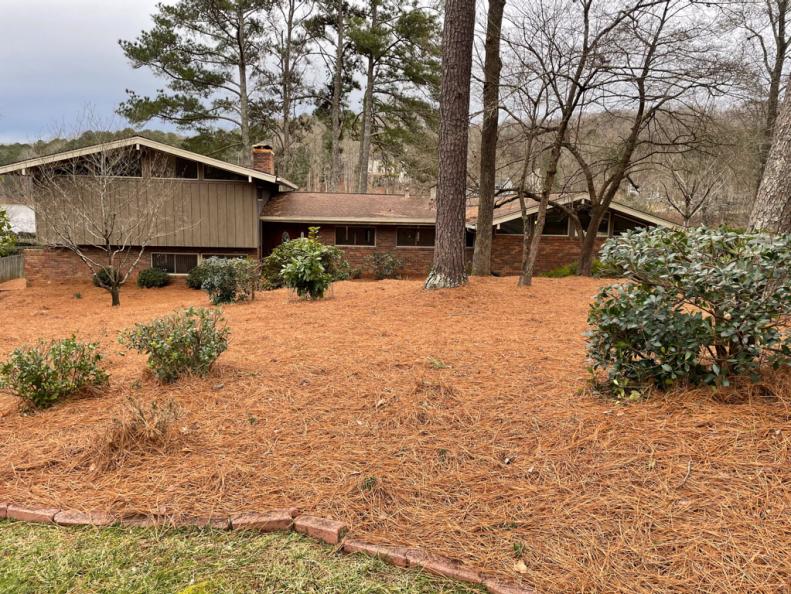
248, 211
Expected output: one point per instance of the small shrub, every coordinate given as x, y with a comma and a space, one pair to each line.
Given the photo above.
152, 278
136, 429
78, 295
47, 373
598, 269
197, 276
703, 306
306, 275
104, 277
231, 279
187, 341
385, 265
332, 259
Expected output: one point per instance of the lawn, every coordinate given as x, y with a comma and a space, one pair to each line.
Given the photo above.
460, 421
36, 558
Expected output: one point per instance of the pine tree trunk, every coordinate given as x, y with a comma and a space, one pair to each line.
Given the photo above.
367, 125
482, 256
772, 208
448, 267
244, 100
285, 157
337, 90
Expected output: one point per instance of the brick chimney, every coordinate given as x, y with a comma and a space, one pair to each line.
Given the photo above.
263, 158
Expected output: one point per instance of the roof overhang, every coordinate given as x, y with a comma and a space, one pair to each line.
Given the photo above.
138, 141
347, 220
615, 206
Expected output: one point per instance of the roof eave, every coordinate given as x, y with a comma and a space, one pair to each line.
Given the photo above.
345, 220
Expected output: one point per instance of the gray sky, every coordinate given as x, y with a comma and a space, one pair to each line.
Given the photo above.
59, 57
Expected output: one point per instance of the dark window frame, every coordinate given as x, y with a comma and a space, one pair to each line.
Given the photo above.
174, 255
416, 244
355, 228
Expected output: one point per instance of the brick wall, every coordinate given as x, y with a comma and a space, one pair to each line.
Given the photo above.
552, 252
54, 265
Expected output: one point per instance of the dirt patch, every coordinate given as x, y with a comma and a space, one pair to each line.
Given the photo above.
457, 421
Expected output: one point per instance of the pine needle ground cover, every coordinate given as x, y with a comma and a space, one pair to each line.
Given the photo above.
459, 421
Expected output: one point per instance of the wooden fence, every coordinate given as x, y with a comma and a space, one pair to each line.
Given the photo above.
12, 267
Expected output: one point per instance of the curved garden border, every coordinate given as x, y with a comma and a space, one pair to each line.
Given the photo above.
280, 520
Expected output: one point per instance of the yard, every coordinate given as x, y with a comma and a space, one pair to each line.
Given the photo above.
460, 421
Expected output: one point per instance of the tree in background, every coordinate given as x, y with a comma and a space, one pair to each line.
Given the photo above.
290, 43
7, 235
766, 28
457, 38
330, 27
399, 45
208, 53
482, 256
772, 210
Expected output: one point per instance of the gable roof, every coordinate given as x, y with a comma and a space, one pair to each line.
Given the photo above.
508, 211
328, 207
152, 144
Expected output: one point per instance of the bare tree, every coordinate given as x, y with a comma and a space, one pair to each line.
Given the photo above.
772, 209
457, 38
105, 206
691, 185
482, 256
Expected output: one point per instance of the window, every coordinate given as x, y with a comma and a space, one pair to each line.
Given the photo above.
186, 168
604, 224
210, 172
557, 223
174, 263
355, 236
622, 224
415, 237
512, 227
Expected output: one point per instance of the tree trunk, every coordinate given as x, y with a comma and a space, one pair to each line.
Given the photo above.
285, 157
482, 256
337, 90
367, 125
459, 29
244, 100
588, 244
775, 80
115, 293
772, 208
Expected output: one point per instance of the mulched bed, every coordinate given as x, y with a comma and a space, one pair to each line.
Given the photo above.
459, 421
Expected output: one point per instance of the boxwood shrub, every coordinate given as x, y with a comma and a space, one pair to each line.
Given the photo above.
152, 278
702, 306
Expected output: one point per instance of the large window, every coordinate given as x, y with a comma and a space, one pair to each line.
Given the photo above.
174, 263
355, 236
622, 224
556, 223
415, 237
604, 224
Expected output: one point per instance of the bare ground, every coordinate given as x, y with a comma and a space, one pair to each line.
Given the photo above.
459, 420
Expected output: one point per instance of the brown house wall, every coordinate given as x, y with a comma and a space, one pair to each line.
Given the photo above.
54, 265
552, 252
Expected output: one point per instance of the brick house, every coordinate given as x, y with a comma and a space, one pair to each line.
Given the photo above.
230, 210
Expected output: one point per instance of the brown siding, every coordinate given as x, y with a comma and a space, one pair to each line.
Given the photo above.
198, 214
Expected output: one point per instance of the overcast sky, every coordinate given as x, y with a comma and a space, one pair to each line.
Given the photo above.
58, 57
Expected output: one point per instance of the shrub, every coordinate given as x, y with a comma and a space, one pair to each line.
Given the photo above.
598, 269
186, 341
385, 265
197, 276
704, 306
231, 279
332, 259
104, 277
46, 373
305, 274
8, 239
152, 278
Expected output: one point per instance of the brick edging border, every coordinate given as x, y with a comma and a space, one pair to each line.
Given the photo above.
280, 520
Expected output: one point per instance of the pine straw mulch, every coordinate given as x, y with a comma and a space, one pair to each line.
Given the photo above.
459, 421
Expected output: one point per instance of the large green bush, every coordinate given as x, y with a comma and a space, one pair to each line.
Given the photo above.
305, 274
230, 279
332, 259
702, 306
198, 275
151, 278
385, 265
186, 341
8, 239
46, 373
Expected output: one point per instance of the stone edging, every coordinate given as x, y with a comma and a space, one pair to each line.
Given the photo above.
280, 520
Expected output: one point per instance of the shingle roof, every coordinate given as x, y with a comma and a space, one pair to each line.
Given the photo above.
329, 207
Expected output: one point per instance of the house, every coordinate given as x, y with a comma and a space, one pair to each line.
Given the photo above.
221, 209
